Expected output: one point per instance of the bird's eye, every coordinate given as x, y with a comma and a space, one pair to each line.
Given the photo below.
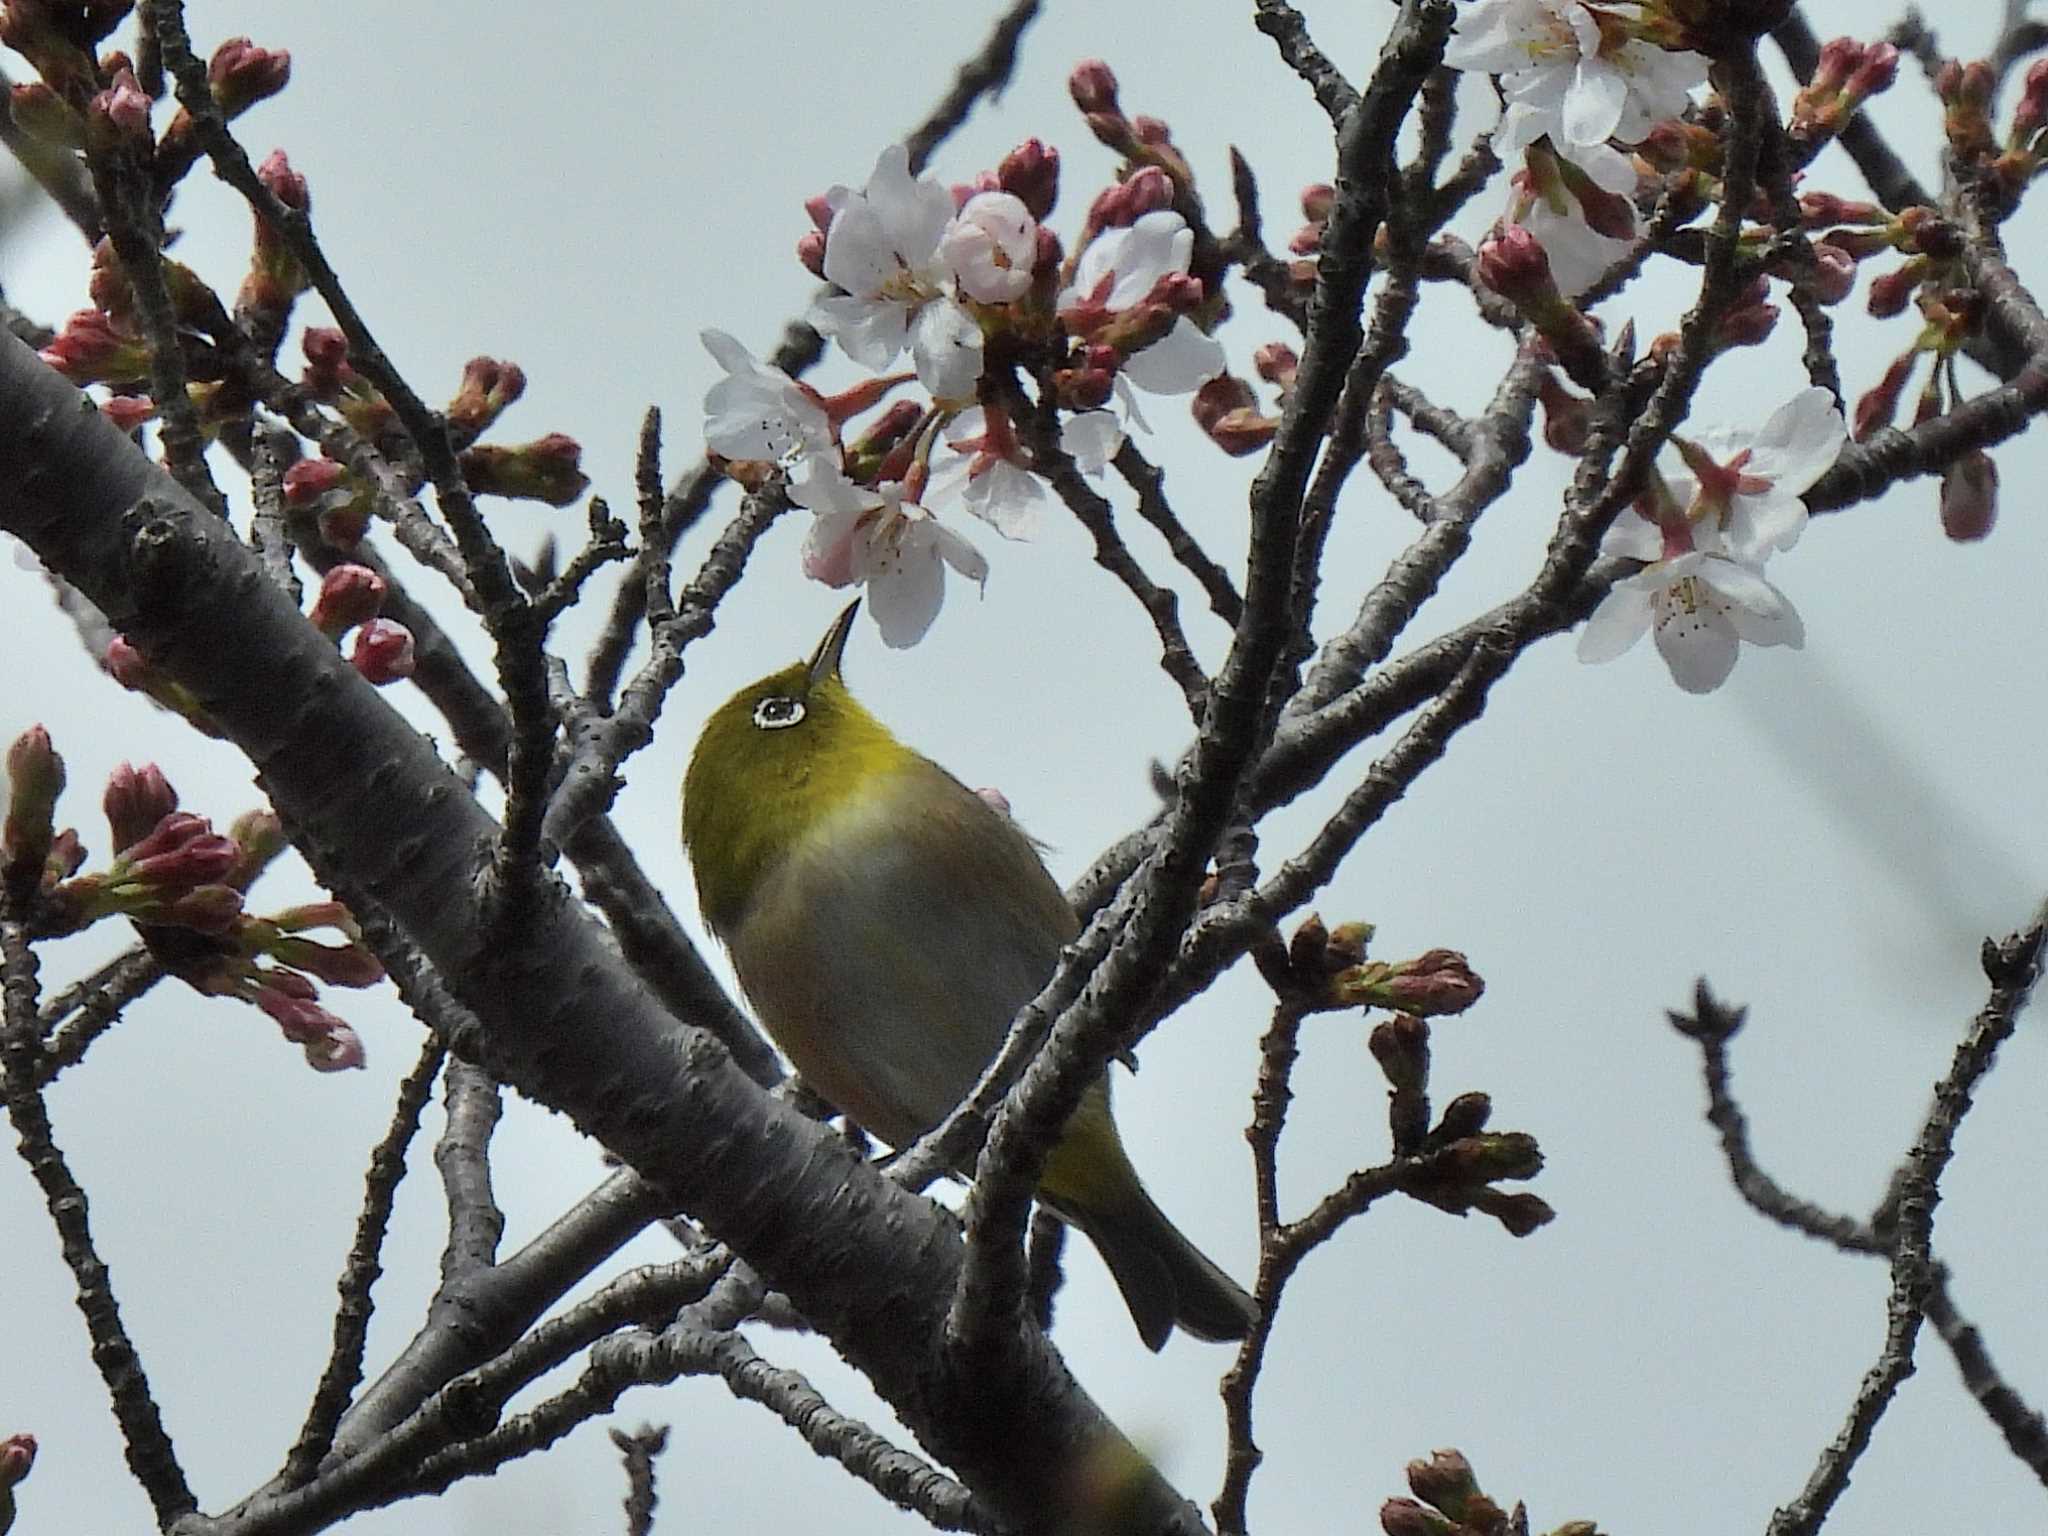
778, 711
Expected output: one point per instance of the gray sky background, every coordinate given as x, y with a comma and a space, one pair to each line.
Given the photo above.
1828, 838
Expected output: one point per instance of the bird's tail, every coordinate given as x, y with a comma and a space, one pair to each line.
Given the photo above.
1165, 1279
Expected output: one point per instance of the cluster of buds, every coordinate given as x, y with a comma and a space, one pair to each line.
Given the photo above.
1329, 969
350, 597
1968, 93
276, 275
1847, 74
1448, 1502
17, 1457
182, 884
1029, 354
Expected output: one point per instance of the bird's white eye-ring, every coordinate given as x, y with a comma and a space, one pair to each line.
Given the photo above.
778, 711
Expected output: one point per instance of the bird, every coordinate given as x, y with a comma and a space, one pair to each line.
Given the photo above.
887, 923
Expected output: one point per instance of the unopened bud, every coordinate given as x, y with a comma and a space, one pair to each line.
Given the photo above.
810, 250
310, 479
1444, 1481
1093, 87
547, 469
34, 779
1401, 1047
135, 801
122, 110
1466, 1115
339, 965
241, 74
1031, 174
383, 652
1227, 410
488, 387
349, 594
1405, 1517
1969, 497
1878, 405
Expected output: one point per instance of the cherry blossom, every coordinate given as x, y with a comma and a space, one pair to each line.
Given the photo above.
989, 247
1123, 268
885, 539
883, 249
760, 412
996, 482
1703, 606
1567, 77
1750, 483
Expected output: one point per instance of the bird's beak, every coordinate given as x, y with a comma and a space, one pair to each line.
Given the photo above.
825, 659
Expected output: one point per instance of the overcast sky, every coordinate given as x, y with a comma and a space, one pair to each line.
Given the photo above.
1828, 838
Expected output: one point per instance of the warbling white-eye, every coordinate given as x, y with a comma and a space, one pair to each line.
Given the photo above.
887, 924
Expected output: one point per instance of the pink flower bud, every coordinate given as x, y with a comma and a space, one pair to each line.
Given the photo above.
34, 779
1890, 292
242, 74
1969, 497
1834, 273
123, 107
183, 849
1876, 72
336, 1051
1318, 202
135, 801
547, 469
349, 594
285, 184
1277, 363
327, 368
17, 1455
1093, 87
310, 479
818, 209
126, 665
1880, 404
1031, 174
810, 250
1444, 1481
1228, 411
1514, 265
1405, 1517
383, 652
488, 387
128, 411
93, 349
1146, 190
339, 965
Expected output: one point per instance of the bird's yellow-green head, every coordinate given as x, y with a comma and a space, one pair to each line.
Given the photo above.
774, 761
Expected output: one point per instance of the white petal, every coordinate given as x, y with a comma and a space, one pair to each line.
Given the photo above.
1607, 167
1761, 522
870, 331
1800, 442
913, 211
1696, 637
1006, 498
1182, 360
905, 590
1091, 440
859, 255
946, 345
1593, 105
822, 486
1740, 585
1633, 537
1616, 624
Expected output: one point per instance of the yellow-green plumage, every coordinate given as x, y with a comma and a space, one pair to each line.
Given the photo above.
887, 923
